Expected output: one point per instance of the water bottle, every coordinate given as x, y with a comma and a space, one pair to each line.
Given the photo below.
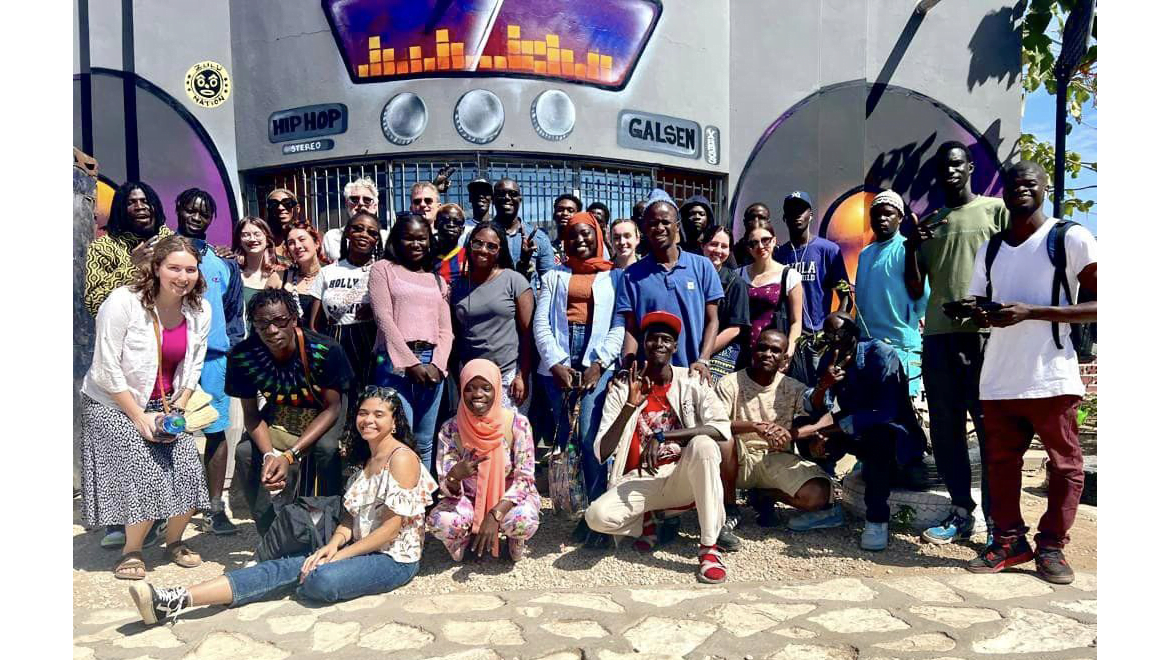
172, 423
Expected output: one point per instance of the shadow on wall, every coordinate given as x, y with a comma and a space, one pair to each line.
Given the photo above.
991, 57
857, 155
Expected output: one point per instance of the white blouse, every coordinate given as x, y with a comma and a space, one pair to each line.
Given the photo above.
368, 499
125, 352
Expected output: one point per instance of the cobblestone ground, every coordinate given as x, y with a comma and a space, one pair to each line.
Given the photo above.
813, 595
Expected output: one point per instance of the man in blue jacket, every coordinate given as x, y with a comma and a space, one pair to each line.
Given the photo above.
195, 209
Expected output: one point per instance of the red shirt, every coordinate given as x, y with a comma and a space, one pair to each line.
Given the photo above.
174, 348
656, 416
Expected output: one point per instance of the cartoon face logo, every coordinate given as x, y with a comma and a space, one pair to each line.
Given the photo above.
208, 84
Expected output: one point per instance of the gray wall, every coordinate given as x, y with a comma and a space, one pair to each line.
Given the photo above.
963, 54
285, 56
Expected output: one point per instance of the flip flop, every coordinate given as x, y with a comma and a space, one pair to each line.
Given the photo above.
130, 566
183, 555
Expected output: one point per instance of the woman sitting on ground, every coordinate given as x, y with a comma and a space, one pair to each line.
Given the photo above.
376, 547
486, 464
151, 338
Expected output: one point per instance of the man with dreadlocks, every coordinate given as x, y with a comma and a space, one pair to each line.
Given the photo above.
136, 222
195, 209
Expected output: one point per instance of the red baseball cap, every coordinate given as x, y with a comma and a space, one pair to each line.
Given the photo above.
666, 318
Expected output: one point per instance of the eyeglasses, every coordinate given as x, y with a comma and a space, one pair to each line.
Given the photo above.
280, 322
419, 201
757, 242
506, 193
358, 229
477, 244
357, 199
289, 203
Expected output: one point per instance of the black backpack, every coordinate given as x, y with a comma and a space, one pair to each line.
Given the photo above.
1084, 335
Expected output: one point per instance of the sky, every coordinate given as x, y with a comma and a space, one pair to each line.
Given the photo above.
1040, 119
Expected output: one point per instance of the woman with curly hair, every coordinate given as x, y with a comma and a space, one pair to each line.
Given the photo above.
307, 251
151, 339
376, 547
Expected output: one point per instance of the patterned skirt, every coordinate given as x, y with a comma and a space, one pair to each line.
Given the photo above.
126, 480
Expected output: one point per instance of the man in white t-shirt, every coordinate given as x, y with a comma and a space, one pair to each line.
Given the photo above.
1029, 383
360, 195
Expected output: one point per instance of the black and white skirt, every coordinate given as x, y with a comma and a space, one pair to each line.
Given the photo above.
126, 480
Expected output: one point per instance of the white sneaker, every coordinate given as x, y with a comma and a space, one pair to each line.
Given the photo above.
876, 536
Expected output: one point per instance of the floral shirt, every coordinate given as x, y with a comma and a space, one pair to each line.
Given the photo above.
519, 461
368, 499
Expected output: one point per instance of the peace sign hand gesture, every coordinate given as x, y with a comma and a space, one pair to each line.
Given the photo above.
639, 385
836, 372
527, 244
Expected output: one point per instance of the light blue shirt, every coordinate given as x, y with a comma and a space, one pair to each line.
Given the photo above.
550, 325
885, 309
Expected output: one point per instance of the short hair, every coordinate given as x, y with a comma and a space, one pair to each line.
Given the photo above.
504, 256
636, 212
191, 194
267, 296
450, 206
120, 222
398, 230
756, 205
377, 253
779, 333
569, 196
946, 147
362, 182
600, 206
1027, 166
847, 323
423, 184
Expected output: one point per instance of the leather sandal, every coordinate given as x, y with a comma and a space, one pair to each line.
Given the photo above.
181, 554
130, 566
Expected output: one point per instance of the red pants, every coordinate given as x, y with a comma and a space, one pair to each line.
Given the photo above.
1010, 425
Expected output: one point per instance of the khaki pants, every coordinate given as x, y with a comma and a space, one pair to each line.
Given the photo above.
693, 479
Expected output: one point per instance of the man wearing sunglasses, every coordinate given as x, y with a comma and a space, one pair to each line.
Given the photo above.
525, 241
424, 200
360, 195
301, 376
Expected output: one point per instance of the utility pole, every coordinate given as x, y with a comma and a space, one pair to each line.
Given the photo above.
1075, 43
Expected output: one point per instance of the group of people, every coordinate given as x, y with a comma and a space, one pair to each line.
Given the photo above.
678, 365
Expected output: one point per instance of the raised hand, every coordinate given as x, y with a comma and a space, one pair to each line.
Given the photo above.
527, 244
923, 230
466, 467
639, 385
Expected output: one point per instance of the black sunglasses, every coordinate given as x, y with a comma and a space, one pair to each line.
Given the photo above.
288, 203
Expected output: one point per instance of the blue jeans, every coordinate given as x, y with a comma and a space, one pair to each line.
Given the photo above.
592, 405
374, 573
419, 402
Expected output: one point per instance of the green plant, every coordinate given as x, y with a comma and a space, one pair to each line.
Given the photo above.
903, 520
1039, 60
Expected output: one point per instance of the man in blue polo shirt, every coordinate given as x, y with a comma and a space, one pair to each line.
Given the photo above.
195, 209
818, 260
671, 280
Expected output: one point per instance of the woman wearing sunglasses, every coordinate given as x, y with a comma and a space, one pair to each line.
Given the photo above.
775, 297
282, 209
492, 309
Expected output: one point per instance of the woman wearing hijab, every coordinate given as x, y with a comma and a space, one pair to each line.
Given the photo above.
485, 463
578, 338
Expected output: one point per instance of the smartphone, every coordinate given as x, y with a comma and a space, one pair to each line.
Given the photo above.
575, 381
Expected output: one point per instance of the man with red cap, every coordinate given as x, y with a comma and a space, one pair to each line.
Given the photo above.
662, 424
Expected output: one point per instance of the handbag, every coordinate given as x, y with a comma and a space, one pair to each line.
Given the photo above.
300, 527
566, 481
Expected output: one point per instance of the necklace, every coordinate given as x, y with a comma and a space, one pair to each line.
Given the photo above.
798, 259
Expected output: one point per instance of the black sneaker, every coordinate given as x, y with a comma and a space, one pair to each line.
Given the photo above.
581, 531
668, 530
728, 540
157, 530
731, 515
598, 541
220, 525
769, 518
1051, 566
154, 605
998, 556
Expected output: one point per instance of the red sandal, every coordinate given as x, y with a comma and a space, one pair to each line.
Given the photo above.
711, 568
649, 538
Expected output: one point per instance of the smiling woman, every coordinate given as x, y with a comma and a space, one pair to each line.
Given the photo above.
151, 338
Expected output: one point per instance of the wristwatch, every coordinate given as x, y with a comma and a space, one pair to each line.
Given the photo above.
660, 437
295, 452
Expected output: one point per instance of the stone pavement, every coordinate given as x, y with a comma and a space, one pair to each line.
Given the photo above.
1012, 615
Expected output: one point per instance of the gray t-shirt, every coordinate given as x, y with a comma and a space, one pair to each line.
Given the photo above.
485, 318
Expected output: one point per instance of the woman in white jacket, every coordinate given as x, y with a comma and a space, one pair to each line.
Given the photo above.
578, 338
151, 338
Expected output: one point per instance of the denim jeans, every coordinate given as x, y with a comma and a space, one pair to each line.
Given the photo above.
374, 573
419, 402
592, 404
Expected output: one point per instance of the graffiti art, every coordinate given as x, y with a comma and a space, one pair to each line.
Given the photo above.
594, 43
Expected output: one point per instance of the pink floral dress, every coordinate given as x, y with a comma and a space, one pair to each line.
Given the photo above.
450, 520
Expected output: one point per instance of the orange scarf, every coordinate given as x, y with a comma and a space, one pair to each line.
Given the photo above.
595, 263
485, 437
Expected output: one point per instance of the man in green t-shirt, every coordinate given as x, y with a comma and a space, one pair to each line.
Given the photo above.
943, 245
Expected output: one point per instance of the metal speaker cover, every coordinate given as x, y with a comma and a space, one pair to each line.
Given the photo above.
404, 118
479, 116
553, 115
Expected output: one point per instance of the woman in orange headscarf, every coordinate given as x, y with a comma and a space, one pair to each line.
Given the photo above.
485, 459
